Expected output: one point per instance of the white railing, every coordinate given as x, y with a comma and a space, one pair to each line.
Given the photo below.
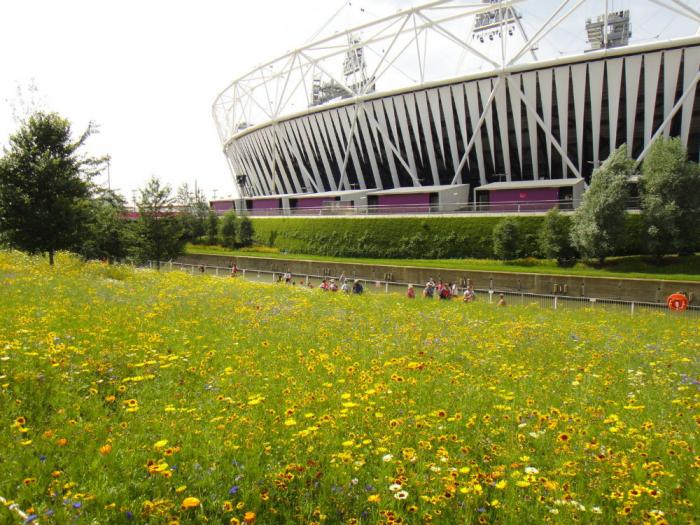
512, 297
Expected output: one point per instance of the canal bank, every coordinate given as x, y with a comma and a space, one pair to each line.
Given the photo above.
644, 290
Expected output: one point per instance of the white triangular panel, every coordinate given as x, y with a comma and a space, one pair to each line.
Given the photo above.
501, 101
434, 100
447, 111
265, 177
578, 77
313, 121
282, 182
595, 79
410, 101
458, 99
405, 132
485, 89
293, 140
672, 65
545, 78
474, 114
350, 141
614, 75
310, 152
333, 127
378, 110
652, 67
285, 147
516, 108
422, 100
691, 64
530, 89
633, 68
367, 137
561, 80
371, 119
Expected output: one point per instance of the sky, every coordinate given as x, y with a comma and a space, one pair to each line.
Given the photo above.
148, 71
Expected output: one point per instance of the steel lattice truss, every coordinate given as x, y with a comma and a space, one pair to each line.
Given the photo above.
310, 121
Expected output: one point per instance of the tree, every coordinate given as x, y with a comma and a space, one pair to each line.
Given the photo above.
598, 225
193, 211
212, 227
670, 199
229, 229
506, 239
110, 235
160, 232
245, 232
44, 185
555, 241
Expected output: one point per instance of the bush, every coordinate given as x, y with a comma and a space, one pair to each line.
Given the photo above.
506, 239
411, 237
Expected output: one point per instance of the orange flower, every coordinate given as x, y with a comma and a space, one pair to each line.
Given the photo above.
105, 449
62, 442
249, 517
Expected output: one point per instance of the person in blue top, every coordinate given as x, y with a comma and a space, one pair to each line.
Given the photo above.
357, 287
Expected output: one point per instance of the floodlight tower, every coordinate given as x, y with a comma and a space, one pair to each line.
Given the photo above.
611, 29
498, 23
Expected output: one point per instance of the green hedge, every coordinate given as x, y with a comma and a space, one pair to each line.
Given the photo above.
414, 238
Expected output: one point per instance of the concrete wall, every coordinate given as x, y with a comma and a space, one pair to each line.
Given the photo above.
454, 199
601, 288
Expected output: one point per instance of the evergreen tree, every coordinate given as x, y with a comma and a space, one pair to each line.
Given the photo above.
246, 232
506, 239
555, 241
111, 235
45, 185
212, 227
670, 199
229, 229
160, 232
598, 225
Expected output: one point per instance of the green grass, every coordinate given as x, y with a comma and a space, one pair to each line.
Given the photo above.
632, 267
124, 394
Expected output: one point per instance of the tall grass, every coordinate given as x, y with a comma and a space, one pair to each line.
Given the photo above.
134, 396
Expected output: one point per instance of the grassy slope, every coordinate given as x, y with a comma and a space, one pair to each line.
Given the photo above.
124, 392
633, 267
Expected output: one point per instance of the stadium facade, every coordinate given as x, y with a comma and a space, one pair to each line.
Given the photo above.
515, 129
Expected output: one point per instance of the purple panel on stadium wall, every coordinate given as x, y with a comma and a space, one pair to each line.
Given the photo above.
265, 204
409, 202
314, 202
530, 199
222, 206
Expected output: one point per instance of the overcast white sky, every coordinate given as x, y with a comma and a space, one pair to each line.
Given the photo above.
148, 71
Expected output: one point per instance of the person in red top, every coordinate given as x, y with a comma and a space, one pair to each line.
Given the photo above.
410, 293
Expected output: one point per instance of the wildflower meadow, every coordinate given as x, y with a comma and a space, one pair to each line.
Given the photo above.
135, 396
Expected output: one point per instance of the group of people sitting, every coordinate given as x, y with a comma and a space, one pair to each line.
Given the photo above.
443, 291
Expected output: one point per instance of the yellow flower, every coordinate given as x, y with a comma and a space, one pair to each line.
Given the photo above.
374, 498
190, 503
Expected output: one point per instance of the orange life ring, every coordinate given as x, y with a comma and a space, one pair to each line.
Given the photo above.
677, 302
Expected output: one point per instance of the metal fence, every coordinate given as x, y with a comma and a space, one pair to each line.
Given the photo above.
556, 302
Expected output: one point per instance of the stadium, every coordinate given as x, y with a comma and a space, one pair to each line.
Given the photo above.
456, 106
